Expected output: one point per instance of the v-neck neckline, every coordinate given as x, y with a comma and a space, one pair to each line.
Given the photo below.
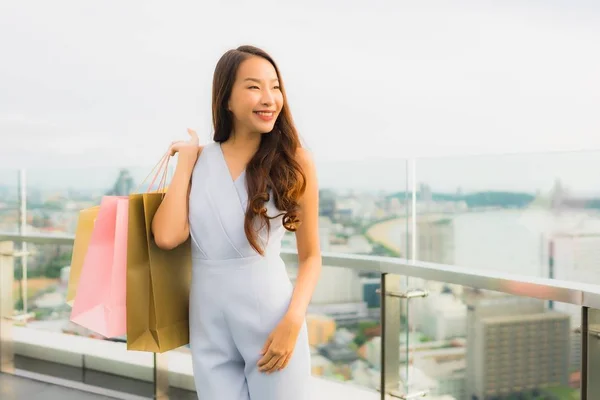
234, 180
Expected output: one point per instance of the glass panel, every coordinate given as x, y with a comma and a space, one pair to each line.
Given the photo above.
343, 330
54, 197
532, 214
474, 344
396, 335
9, 201
343, 326
46, 342
359, 202
593, 353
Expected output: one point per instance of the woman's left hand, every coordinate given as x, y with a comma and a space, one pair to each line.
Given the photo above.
280, 344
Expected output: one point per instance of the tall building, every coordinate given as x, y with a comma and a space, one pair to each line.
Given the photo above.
441, 316
325, 230
435, 240
514, 345
370, 295
321, 329
338, 294
338, 285
445, 370
574, 256
327, 200
123, 186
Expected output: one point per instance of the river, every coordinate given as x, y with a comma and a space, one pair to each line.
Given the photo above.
514, 241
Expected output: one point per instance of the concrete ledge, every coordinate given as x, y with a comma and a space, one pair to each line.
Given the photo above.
114, 358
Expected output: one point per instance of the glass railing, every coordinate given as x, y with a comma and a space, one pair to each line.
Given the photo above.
494, 336
532, 214
478, 344
10, 200
522, 232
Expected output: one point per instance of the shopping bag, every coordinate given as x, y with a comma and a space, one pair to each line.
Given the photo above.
83, 234
100, 300
158, 283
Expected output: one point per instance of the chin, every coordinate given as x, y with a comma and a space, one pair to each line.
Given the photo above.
265, 128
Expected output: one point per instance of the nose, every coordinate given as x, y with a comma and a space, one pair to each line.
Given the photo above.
267, 98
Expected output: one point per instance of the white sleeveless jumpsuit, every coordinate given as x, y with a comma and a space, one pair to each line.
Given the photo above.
237, 296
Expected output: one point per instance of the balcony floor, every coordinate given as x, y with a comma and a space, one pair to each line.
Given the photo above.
17, 388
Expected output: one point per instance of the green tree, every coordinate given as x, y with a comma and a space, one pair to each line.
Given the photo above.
56, 264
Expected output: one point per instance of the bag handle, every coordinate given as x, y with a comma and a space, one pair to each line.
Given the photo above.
160, 165
162, 185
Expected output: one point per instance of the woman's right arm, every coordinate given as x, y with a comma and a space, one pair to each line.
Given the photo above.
170, 225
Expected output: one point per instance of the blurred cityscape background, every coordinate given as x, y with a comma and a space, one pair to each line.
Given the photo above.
550, 231
479, 117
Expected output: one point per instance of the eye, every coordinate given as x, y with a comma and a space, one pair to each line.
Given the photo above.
253, 87
277, 88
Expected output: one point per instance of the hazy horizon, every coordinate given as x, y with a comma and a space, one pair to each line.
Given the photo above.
577, 172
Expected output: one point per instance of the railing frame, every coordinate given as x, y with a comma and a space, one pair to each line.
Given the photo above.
392, 271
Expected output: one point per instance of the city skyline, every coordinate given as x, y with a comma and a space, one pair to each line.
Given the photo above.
528, 173
452, 100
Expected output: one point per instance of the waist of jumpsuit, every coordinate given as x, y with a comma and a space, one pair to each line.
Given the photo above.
235, 262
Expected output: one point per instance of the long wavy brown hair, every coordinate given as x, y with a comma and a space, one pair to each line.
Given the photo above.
273, 170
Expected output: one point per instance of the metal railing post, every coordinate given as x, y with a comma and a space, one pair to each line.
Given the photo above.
22, 231
7, 276
390, 336
590, 348
161, 376
392, 301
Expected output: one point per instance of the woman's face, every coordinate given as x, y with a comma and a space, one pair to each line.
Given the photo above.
256, 99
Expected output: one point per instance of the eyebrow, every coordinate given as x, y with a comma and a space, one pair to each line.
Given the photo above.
258, 80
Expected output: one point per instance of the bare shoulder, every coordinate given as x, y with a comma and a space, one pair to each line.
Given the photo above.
305, 159
200, 148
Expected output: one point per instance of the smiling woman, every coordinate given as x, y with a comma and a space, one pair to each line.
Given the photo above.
236, 198
265, 138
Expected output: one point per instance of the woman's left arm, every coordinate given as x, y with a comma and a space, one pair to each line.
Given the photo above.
307, 241
278, 349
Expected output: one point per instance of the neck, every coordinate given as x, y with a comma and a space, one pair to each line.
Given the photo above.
243, 142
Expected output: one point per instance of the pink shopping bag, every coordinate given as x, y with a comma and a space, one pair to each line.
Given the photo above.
100, 300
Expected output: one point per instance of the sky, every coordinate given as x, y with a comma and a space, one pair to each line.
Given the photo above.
106, 84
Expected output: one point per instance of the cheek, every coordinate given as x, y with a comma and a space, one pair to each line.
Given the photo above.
242, 105
279, 101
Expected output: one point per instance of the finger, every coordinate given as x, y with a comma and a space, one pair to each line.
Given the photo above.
193, 135
174, 147
266, 345
270, 366
279, 364
264, 360
285, 362
268, 357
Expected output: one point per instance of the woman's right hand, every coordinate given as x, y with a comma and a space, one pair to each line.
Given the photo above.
170, 225
188, 149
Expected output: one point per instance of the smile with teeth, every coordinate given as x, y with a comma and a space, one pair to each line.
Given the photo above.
265, 114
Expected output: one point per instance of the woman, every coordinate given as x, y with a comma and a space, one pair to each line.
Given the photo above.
235, 198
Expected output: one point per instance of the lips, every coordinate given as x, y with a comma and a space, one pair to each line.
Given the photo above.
265, 116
